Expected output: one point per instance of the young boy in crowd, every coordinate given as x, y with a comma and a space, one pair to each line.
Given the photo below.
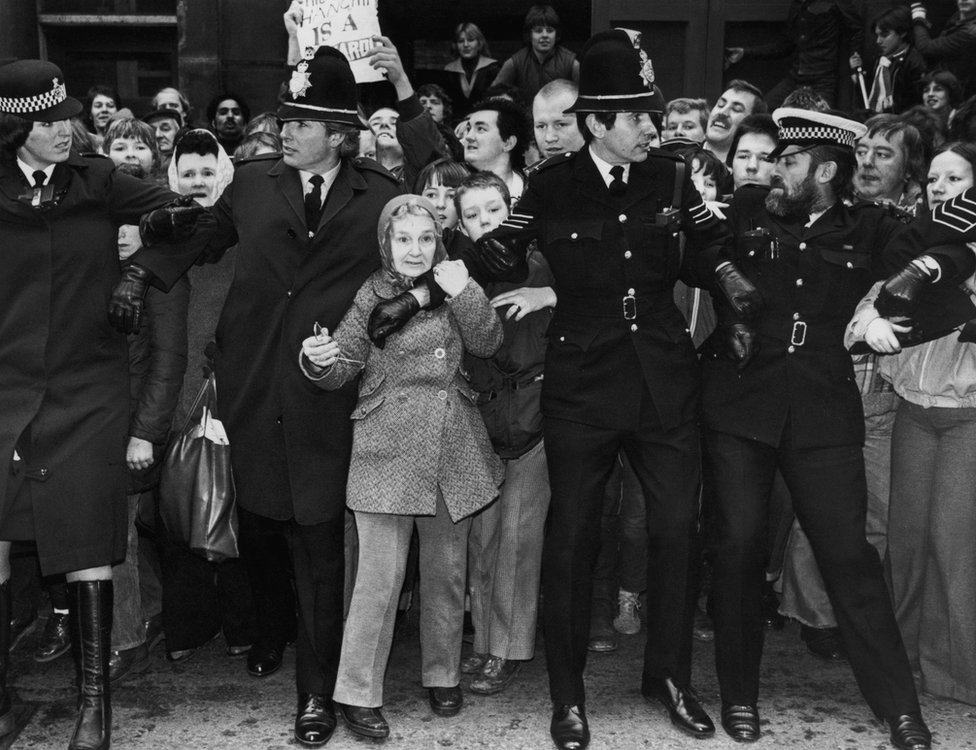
900, 67
505, 543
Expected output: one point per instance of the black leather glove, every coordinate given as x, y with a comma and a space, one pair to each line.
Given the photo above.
899, 295
389, 316
173, 222
742, 343
125, 304
742, 295
498, 260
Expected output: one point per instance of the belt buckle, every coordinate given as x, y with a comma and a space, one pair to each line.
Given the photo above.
799, 333
630, 307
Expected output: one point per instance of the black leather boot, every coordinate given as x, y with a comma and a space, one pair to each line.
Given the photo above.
6, 705
91, 633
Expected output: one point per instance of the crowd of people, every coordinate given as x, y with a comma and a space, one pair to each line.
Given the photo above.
539, 344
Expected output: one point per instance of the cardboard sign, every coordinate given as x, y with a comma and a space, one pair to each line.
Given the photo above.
347, 25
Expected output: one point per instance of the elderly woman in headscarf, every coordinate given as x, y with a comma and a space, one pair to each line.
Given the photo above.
202, 599
420, 455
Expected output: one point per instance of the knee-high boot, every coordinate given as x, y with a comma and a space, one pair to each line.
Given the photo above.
6, 705
91, 633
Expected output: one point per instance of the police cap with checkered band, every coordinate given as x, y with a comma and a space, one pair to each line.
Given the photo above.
35, 90
808, 128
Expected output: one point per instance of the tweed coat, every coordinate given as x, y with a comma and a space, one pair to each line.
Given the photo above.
63, 369
417, 429
290, 441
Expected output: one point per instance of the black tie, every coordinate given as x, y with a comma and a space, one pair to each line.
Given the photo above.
617, 184
313, 203
39, 178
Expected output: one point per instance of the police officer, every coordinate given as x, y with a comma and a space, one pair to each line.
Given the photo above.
621, 372
305, 230
790, 402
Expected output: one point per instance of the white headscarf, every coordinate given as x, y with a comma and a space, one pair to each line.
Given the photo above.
225, 167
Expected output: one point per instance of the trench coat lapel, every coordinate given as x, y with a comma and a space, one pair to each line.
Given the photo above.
290, 185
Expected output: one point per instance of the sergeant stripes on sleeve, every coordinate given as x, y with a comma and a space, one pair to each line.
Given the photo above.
701, 214
957, 213
517, 220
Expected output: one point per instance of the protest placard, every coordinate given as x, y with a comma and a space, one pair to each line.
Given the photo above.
347, 25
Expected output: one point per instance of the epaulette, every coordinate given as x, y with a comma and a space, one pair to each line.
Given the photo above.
272, 156
550, 162
371, 165
901, 213
663, 154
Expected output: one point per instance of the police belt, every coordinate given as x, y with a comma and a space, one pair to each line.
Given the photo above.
625, 307
799, 333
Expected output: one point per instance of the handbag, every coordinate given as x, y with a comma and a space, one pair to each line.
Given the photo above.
196, 485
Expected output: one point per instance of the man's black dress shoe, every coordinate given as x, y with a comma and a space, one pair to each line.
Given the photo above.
824, 643
264, 660
741, 723
446, 701
682, 706
365, 721
569, 729
316, 719
908, 732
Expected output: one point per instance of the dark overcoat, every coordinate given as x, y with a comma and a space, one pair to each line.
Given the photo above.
616, 333
290, 441
63, 369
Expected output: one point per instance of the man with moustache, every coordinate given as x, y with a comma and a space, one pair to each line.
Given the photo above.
621, 373
227, 114
739, 100
781, 394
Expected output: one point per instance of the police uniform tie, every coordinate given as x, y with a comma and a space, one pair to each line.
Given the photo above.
313, 203
39, 178
617, 184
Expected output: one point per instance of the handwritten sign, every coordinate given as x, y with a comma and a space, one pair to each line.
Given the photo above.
347, 25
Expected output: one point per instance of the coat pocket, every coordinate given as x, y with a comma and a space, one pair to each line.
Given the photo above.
367, 406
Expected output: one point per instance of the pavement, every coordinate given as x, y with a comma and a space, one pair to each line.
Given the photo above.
210, 703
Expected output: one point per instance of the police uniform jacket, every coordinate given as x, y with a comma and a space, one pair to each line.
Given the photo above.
290, 441
63, 369
811, 279
616, 332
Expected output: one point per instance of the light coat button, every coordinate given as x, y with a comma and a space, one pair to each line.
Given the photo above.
562, 338
311, 235
628, 254
803, 245
791, 348
633, 327
574, 236
442, 395
623, 218
796, 316
630, 291
752, 253
799, 282
288, 293
439, 353
850, 265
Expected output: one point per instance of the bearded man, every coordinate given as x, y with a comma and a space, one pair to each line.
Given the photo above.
781, 393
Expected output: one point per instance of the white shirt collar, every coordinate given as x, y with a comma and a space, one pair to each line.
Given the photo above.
327, 179
28, 171
605, 167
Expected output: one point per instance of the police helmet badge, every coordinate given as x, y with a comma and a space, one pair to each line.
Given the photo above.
300, 81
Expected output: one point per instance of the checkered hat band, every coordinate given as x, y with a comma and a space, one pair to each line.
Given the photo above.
818, 133
30, 104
